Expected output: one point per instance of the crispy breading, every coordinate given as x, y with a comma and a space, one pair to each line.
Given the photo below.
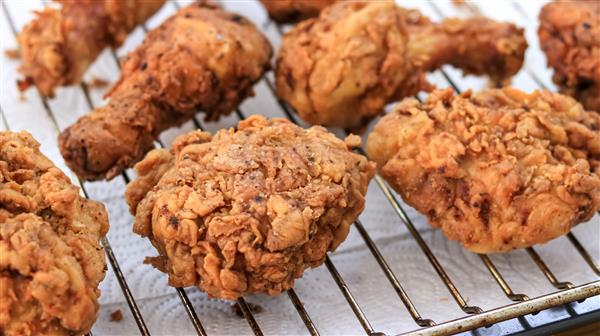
248, 210
51, 261
60, 44
293, 10
202, 58
569, 34
341, 68
496, 170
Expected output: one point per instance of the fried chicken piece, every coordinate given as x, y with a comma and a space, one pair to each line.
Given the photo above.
283, 11
51, 261
569, 34
59, 45
247, 211
342, 68
202, 58
496, 170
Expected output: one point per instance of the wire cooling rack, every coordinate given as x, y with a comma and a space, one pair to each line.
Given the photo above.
566, 300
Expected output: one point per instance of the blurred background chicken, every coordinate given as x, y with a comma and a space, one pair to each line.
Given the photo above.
60, 44
341, 68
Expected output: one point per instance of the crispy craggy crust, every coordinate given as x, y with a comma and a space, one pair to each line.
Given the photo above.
293, 10
496, 170
59, 45
569, 34
202, 58
248, 211
51, 261
341, 68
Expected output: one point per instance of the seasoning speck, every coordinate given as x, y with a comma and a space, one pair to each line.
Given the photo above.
116, 316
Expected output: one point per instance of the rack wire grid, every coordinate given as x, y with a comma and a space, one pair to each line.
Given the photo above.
47, 117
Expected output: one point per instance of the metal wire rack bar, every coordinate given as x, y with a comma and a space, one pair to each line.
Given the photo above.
392, 277
349, 297
137, 315
302, 311
584, 253
511, 311
189, 308
501, 282
547, 272
3, 123
426, 250
249, 317
570, 293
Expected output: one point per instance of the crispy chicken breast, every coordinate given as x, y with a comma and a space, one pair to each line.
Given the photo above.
496, 170
51, 260
248, 210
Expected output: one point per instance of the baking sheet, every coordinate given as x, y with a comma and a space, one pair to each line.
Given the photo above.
160, 305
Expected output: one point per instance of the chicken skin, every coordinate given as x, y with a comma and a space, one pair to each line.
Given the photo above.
202, 58
59, 45
248, 210
51, 261
496, 170
283, 11
569, 34
341, 68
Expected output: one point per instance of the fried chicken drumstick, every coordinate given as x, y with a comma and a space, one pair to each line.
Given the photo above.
51, 261
569, 34
59, 45
293, 10
247, 211
496, 170
202, 58
341, 68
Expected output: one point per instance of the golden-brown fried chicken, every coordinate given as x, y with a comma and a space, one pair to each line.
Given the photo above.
293, 10
247, 211
569, 34
202, 58
342, 68
59, 45
51, 261
496, 170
